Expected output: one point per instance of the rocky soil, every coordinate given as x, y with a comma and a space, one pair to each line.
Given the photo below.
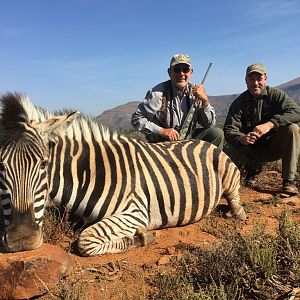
126, 276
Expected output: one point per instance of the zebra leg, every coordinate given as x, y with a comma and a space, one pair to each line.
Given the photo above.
236, 208
143, 237
115, 234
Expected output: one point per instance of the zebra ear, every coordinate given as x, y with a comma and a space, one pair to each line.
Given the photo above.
56, 125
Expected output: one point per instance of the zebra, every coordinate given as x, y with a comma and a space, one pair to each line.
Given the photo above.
121, 188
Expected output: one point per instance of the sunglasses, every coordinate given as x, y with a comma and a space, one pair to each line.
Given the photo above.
178, 70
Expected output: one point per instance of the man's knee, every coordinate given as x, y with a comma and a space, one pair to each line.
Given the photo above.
290, 134
293, 130
214, 136
217, 133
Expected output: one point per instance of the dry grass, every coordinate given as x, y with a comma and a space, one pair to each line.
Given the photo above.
57, 228
256, 266
253, 266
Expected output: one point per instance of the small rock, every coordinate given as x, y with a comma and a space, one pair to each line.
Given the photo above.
164, 260
149, 266
157, 233
32, 273
183, 233
284, 195
171, 250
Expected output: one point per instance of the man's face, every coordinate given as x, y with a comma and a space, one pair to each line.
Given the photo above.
180, 75
255, 83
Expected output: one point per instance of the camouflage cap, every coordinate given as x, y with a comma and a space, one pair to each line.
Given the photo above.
258, 68
180, 59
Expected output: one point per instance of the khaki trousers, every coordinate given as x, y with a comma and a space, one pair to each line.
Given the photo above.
280, 143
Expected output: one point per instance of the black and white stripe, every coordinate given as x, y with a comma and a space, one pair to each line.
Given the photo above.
120, 187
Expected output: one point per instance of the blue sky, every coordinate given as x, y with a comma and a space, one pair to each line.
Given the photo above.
95, 55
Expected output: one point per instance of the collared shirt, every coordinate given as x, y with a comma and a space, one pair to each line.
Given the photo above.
147, 117
246, 112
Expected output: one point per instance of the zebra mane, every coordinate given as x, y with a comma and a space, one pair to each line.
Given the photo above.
17, 110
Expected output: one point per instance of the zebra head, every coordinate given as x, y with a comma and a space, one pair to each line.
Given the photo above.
24, 154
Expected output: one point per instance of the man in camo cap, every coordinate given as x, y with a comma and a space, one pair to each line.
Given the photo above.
162, 113
261, 126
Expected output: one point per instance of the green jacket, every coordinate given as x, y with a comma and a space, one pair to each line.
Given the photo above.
246, 112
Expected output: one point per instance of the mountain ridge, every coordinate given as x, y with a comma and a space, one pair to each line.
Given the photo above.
118, 118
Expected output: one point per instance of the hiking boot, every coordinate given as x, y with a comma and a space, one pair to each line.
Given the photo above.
252, 171
250, 180
288, 187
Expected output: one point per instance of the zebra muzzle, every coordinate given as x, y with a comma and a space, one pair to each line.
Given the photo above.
23, 233
23, 239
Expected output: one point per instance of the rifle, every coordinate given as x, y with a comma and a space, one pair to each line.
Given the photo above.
188, 122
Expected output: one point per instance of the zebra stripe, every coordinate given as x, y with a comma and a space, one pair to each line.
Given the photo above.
120, 187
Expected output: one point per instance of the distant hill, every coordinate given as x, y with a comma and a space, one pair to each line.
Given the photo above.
118, 118
292, 88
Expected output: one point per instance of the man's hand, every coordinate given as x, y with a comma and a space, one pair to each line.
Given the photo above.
264, 128
258, 131
200, 94
170, 133
250, 138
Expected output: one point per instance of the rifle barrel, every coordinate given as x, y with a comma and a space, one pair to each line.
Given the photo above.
206, 73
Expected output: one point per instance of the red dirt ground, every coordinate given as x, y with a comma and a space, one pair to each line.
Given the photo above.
124, 276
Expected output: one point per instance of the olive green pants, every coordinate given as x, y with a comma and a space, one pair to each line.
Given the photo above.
212, 135
281, 143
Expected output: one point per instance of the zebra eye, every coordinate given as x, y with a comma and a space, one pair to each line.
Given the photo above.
43, 164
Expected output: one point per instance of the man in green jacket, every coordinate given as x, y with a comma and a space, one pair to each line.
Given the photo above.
261, 126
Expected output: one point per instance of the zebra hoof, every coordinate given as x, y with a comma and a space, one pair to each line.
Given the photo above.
143, 237
241, 215
239, 212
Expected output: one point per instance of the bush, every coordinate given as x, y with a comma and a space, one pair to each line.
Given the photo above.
255, 266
